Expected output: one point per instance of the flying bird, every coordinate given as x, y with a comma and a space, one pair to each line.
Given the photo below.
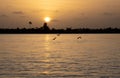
79, 37
30, 22
58, 34
54, 38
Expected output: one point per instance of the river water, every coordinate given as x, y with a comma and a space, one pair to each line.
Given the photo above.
39, 56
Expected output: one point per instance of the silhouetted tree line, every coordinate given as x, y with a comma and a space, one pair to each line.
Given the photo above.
45, 29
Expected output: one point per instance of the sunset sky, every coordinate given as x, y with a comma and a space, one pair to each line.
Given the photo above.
63, 13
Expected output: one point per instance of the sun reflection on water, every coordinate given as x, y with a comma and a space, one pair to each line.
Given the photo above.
47, 43
47, 56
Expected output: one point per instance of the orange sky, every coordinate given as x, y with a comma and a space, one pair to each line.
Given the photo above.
64, 13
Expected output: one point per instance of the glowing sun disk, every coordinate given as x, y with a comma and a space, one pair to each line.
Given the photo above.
47, 19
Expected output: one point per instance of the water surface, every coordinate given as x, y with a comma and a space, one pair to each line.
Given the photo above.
39, 56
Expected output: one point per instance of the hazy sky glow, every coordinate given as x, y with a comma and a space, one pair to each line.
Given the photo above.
64, 13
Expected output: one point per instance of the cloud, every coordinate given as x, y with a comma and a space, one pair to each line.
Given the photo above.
56, 11
18, 12
55, 20
82, 14
108, 14
23, 16
3, 15
45, 10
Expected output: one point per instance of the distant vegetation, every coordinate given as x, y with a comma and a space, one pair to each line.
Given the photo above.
46, 30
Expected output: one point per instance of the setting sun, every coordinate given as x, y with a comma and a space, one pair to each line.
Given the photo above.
47, 19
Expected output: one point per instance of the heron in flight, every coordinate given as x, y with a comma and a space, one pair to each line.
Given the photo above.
54, 38
79, 37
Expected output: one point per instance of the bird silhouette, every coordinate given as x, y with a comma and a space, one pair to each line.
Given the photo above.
79, 37
54, 38
30, 22
58, 34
